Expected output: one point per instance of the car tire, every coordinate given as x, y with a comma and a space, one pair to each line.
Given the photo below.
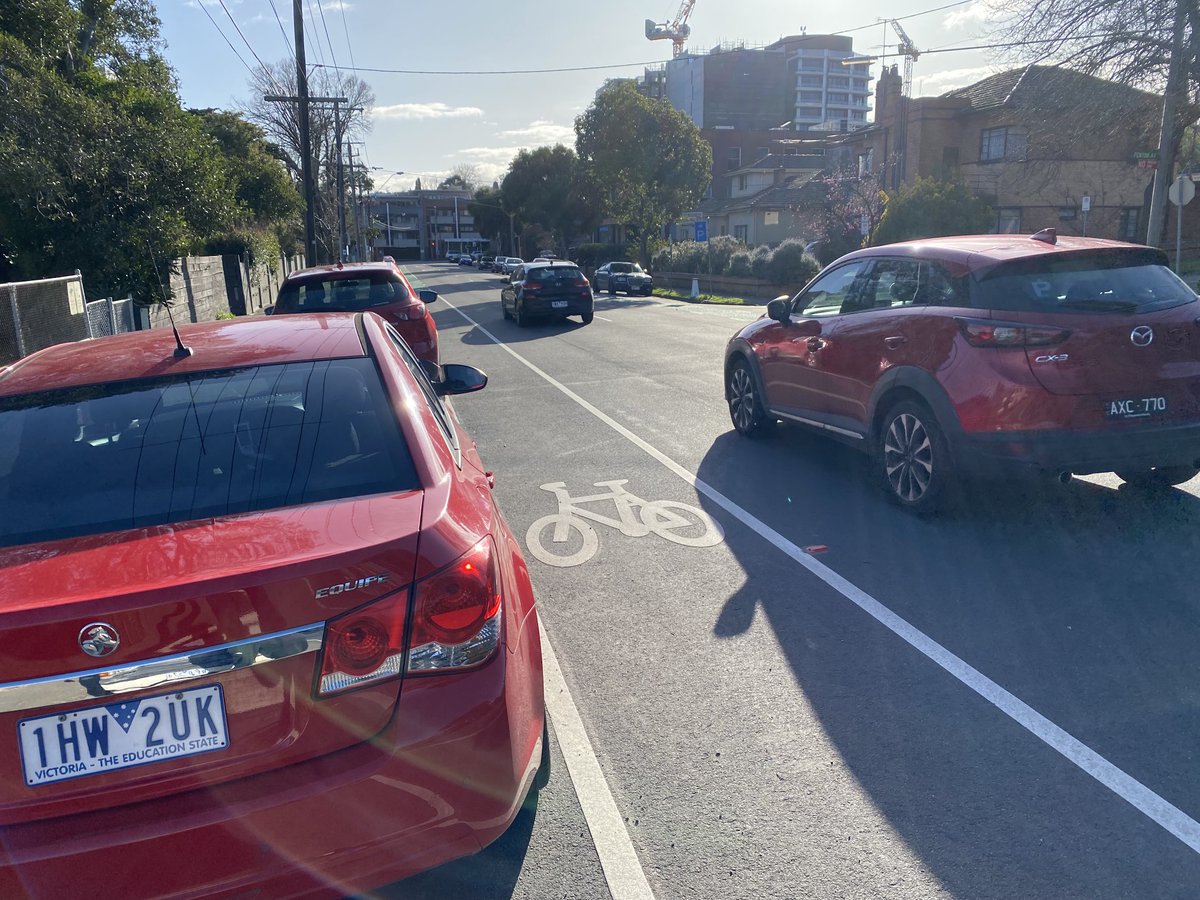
746, 409
588, 316
522, 316
1160, 477
647, 292
913, 458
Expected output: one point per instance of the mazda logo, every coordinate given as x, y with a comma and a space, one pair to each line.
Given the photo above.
1141, 336
99, 639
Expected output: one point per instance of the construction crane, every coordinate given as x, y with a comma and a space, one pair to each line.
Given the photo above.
677, 30
910, 53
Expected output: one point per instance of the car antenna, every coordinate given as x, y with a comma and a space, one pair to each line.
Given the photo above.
181, 349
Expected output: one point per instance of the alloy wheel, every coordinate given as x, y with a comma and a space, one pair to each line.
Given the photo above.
908, 458
741, 398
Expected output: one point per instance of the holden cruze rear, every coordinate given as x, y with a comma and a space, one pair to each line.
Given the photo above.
261, 632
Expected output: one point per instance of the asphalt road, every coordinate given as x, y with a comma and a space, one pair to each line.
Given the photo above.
836, 699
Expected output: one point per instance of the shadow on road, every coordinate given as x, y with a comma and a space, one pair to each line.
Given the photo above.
1079, 599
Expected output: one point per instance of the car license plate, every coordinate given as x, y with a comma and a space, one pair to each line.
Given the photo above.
128, 733
558, 304
1135, 408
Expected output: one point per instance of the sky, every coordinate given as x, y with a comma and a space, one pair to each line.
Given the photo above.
425, 125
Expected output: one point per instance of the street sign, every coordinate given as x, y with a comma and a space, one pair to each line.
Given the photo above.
1147, 163
701, 231
864, 224
1087, 203
1145, 154
1182, 190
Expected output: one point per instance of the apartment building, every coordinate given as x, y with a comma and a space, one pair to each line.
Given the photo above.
419, 224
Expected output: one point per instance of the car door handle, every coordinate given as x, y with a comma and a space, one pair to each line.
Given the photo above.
815, 343
895, 340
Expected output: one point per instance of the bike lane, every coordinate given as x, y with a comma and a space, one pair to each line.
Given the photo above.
757, 730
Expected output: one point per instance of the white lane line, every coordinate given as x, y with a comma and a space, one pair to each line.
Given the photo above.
618, 859
1165, 814
603, 318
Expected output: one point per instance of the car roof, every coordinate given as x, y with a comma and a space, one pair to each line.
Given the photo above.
975, 252
227, 344
341, 270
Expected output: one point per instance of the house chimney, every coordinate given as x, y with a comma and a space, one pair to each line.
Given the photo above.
887, 85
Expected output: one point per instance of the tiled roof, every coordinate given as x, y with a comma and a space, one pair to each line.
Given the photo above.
795, 191
777, 161
1039, 87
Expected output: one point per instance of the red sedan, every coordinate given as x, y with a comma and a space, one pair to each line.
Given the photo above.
354, 287
265, 631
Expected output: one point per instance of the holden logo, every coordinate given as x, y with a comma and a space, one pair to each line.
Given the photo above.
1142, 336
99, 639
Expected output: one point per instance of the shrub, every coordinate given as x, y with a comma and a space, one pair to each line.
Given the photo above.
739, 264
928, 207
760, 261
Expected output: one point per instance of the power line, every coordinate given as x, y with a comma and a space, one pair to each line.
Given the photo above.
241, 59
312, 35
346, 29
286, 41
321, 10
239, 31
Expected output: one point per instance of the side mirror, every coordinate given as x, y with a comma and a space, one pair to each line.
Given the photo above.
460, 379
426, 295
269, 311
780, 309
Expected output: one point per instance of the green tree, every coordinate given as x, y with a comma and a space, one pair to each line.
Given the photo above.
100, 167
646, 159
491, 220
929, 207
544, 186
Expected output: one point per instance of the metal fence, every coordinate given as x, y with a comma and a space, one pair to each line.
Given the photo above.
108, 316
37, 314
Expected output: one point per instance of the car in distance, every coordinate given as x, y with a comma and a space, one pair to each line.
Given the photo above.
623, 276
258, 585
511, 263
466, 260
486, 262
350, 287
984, 355
549, 289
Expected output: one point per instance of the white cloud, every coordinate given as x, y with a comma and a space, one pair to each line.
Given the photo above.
425, 111
338, 5
940, 82
485, 154
975, 14
541, 132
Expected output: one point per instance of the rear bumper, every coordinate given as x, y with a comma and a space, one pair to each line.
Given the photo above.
1078, 452
545, 307
444, 779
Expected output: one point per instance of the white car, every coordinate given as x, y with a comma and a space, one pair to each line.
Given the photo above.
511, 263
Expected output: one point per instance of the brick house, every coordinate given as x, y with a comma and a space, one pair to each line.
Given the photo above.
1033, 142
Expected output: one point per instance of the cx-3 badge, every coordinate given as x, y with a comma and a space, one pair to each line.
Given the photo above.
1141, 336
99, 639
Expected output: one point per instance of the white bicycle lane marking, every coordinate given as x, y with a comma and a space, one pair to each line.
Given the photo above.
1155, 807
669, 519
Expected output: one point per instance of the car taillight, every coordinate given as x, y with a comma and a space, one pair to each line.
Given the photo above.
456, 614
581, 281
364, 646
986, 333
413, 313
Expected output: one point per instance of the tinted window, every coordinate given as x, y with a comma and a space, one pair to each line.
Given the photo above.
340, 294
832, 291
626, 267
553, 274
116, 456
1082, 283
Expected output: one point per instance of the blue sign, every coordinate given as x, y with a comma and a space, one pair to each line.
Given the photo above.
701, 231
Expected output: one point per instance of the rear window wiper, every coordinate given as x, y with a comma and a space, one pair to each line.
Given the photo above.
1099, 303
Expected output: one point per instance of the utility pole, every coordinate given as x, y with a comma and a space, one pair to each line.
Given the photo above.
1165, 173
306, 173
356, 197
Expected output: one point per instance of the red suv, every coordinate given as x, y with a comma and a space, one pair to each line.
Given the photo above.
985, 354
355, 287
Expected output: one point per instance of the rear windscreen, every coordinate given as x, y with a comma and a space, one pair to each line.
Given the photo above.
341, 294
115, 456
1082, 284
555, 275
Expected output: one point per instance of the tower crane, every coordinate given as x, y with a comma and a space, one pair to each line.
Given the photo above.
677, 30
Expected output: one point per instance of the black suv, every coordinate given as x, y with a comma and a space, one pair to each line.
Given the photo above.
556, 288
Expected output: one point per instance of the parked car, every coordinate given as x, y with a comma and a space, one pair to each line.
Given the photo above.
466, 260
452, 257
260, 590
985, 354
511, 263
557, 289
623, 276
349, 287
486, 262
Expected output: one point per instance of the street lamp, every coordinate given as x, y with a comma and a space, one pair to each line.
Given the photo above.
386, 180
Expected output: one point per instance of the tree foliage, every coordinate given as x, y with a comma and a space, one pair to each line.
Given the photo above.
491, 220
100, 167
646, 159
544, 186
928, 207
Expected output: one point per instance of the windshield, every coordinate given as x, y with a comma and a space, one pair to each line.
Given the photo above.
625, 268
144, 453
